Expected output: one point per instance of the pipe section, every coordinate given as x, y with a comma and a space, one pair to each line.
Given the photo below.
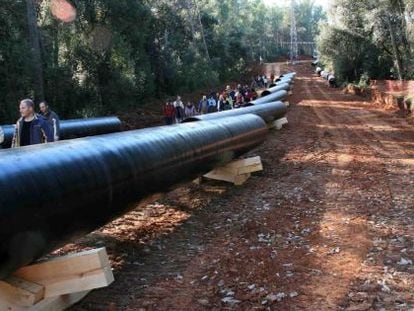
74, 128
51, 194
277, 96
268, 112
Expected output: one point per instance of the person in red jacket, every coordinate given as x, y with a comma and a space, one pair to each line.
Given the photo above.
169, 113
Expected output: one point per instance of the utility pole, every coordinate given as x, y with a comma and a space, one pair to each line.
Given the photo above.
293, 34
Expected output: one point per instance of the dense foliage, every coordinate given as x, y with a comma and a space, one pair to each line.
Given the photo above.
89, 57
368, 39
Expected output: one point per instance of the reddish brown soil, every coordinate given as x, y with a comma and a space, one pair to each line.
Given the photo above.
328, 224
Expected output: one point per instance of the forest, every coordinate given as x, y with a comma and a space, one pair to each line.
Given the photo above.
95, 57
368, 39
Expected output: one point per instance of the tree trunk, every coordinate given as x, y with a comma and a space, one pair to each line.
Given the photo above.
404, 35
35, 50
56, 44
202, 32
397, 56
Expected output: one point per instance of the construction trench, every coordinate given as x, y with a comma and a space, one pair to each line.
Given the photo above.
325, 225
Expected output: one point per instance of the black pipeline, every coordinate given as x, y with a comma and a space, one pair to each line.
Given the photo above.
77, 128
277, 88
277, 96
269, 112
282, 81
8, 132
74, 128
51, 194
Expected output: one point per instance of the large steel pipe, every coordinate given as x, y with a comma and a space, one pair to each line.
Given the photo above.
89, 127
284, 80
51, 194
277, 96
289, 74
277, 88
268, 112
8, 132
74, 128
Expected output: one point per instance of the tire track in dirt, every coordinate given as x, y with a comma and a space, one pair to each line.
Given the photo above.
338, 223
387, 157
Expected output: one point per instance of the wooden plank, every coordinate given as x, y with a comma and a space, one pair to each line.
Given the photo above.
198, 181
245, 166
50, 304
241, 179
278, 124
20, 292
250, 169
237, 172
220, 175
237, 180
59, 303
244, 162
98, 278
66, 265
73, 273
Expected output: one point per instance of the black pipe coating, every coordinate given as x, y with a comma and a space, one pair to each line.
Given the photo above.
74, 128
51, 194
288, 75
277, 88
8, 131
277, 96
268, 112
285, 80
77, 128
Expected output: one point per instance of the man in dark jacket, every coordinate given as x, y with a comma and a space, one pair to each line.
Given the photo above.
51, 117
31, 128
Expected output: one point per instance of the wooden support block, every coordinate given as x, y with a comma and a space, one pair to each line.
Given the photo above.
198, 181
278, 124
237, 172
50, 304
241, 179
245, 166
238, 180
56, 284
19, 292
70, 274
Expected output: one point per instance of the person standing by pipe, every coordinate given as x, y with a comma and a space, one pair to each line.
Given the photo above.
51, 117
31, 128
169, 113
179, 109
223, 104
190, 110
212, 104
203, 105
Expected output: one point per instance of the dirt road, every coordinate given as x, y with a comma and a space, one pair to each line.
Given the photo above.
328, 224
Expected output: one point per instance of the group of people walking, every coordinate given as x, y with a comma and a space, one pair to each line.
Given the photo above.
34, 128
229, 98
